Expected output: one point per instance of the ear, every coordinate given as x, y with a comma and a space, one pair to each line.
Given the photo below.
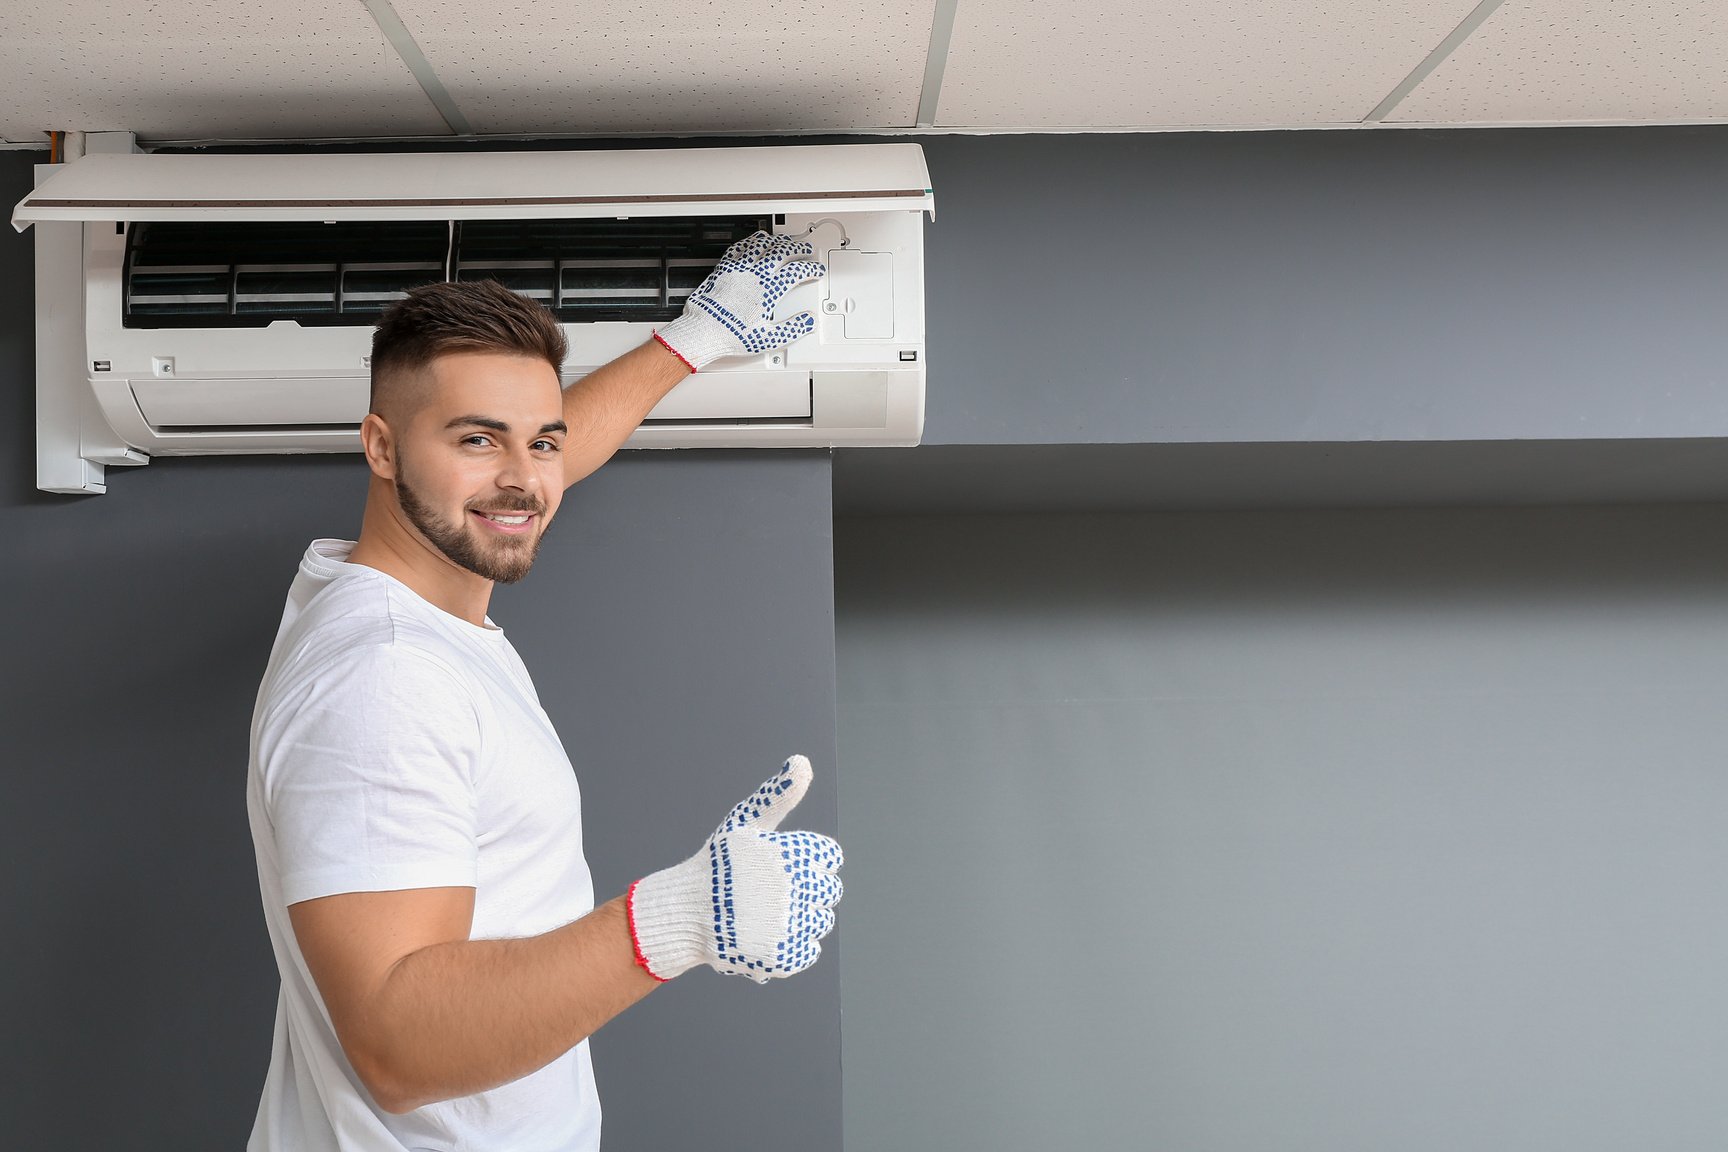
379, 444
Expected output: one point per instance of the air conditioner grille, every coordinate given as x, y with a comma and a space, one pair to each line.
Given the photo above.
233, 274
599, 270
247, 275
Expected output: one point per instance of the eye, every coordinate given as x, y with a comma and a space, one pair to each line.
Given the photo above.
477, 440
546, 446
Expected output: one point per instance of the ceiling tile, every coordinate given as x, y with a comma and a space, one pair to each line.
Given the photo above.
630, 66
1550, 60
195, 69
1203, 63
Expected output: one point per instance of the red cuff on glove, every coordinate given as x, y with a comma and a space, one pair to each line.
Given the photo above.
630, 900
686, 364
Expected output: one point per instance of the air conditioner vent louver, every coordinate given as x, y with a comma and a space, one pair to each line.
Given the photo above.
637, 270
247, 275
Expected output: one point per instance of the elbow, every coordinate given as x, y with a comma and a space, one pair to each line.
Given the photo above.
394, 1105
384, 1084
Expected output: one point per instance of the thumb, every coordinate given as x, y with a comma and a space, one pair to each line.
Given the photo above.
769, 804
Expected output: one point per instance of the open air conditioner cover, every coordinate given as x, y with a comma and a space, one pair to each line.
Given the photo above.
482, 185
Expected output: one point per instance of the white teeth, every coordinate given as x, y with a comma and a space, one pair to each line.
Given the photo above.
505, 519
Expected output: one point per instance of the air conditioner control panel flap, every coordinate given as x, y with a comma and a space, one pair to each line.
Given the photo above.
860, 291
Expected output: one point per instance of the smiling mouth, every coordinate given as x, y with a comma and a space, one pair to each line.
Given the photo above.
512, 522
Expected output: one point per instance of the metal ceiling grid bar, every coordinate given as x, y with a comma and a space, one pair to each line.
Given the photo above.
400, 39
936, 60
1434, 59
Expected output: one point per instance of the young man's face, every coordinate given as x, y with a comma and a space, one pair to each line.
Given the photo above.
479, 464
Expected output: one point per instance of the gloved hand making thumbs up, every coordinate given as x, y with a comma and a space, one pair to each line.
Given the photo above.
753, 902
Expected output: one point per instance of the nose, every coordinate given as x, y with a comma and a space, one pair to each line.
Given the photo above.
519, 472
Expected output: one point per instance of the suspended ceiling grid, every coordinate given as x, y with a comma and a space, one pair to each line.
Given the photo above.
1582, 60
237, 68
1126, 63
616, 66
177, 71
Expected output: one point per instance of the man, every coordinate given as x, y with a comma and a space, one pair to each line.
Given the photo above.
416, 821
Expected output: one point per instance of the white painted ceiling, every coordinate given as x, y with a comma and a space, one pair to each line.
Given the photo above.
176, 71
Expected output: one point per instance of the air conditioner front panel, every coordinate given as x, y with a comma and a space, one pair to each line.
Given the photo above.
763, 409
167, 404
738, 396
255, 441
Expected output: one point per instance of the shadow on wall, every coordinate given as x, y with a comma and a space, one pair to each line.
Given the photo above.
1346, 561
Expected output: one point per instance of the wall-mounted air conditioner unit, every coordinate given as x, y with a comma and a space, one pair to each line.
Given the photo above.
204, 304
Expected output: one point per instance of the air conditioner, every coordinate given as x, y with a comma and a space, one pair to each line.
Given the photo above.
209, 304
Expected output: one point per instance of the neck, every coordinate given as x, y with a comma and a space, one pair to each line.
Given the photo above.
389, 543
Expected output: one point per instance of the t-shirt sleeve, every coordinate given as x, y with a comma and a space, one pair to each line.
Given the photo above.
369, 777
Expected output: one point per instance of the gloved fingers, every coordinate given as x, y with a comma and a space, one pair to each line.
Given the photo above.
833, 889
808, 853
816, 923
767, 256
788, 330
797, 956
800, 272
784, 254
776, 282
769, 804
822, 889
793, 244
752, 247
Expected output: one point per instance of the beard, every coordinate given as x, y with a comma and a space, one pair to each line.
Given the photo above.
503, 560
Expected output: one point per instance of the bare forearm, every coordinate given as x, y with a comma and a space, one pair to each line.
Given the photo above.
606, 406
458, 1018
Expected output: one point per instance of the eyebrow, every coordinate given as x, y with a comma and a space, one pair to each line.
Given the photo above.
500, 426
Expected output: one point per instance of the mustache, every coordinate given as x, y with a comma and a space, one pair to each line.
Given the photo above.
534, 505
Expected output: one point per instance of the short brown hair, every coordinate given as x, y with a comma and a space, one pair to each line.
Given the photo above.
471, 316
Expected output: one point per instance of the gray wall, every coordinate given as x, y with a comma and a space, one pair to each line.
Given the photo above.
1327, 286
1296, 830
1290, 831
679, 625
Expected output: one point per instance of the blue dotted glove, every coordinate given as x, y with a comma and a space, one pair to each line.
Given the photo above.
732, 312
753, 902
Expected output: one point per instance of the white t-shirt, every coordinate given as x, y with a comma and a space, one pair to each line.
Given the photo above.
396, 746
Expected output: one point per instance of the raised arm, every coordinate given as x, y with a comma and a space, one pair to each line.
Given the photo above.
731, 313
426, 1014
605, 406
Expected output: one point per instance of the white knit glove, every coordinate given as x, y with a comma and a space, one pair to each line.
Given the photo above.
753, 902
732, 312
